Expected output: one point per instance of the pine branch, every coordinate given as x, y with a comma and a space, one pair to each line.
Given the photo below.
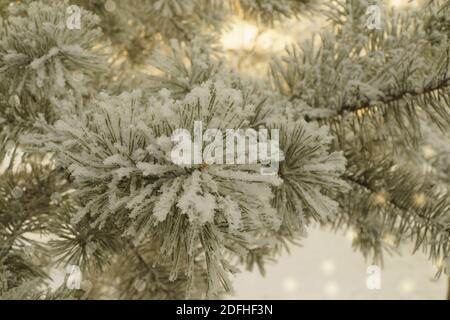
410, 94
355, 71
404, 205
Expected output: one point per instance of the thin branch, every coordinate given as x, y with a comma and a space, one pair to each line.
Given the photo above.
395, 204
387, 100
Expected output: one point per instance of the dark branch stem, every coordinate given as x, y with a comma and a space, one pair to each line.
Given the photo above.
393, 203
346, 108
141, 260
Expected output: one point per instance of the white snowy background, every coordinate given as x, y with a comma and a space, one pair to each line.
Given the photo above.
326, 267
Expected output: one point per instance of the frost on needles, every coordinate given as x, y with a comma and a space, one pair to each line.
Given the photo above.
118, 155
87, 115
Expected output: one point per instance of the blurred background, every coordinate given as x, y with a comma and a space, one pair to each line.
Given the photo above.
326, 267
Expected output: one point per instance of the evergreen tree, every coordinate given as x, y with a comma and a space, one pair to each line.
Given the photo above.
92, 92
